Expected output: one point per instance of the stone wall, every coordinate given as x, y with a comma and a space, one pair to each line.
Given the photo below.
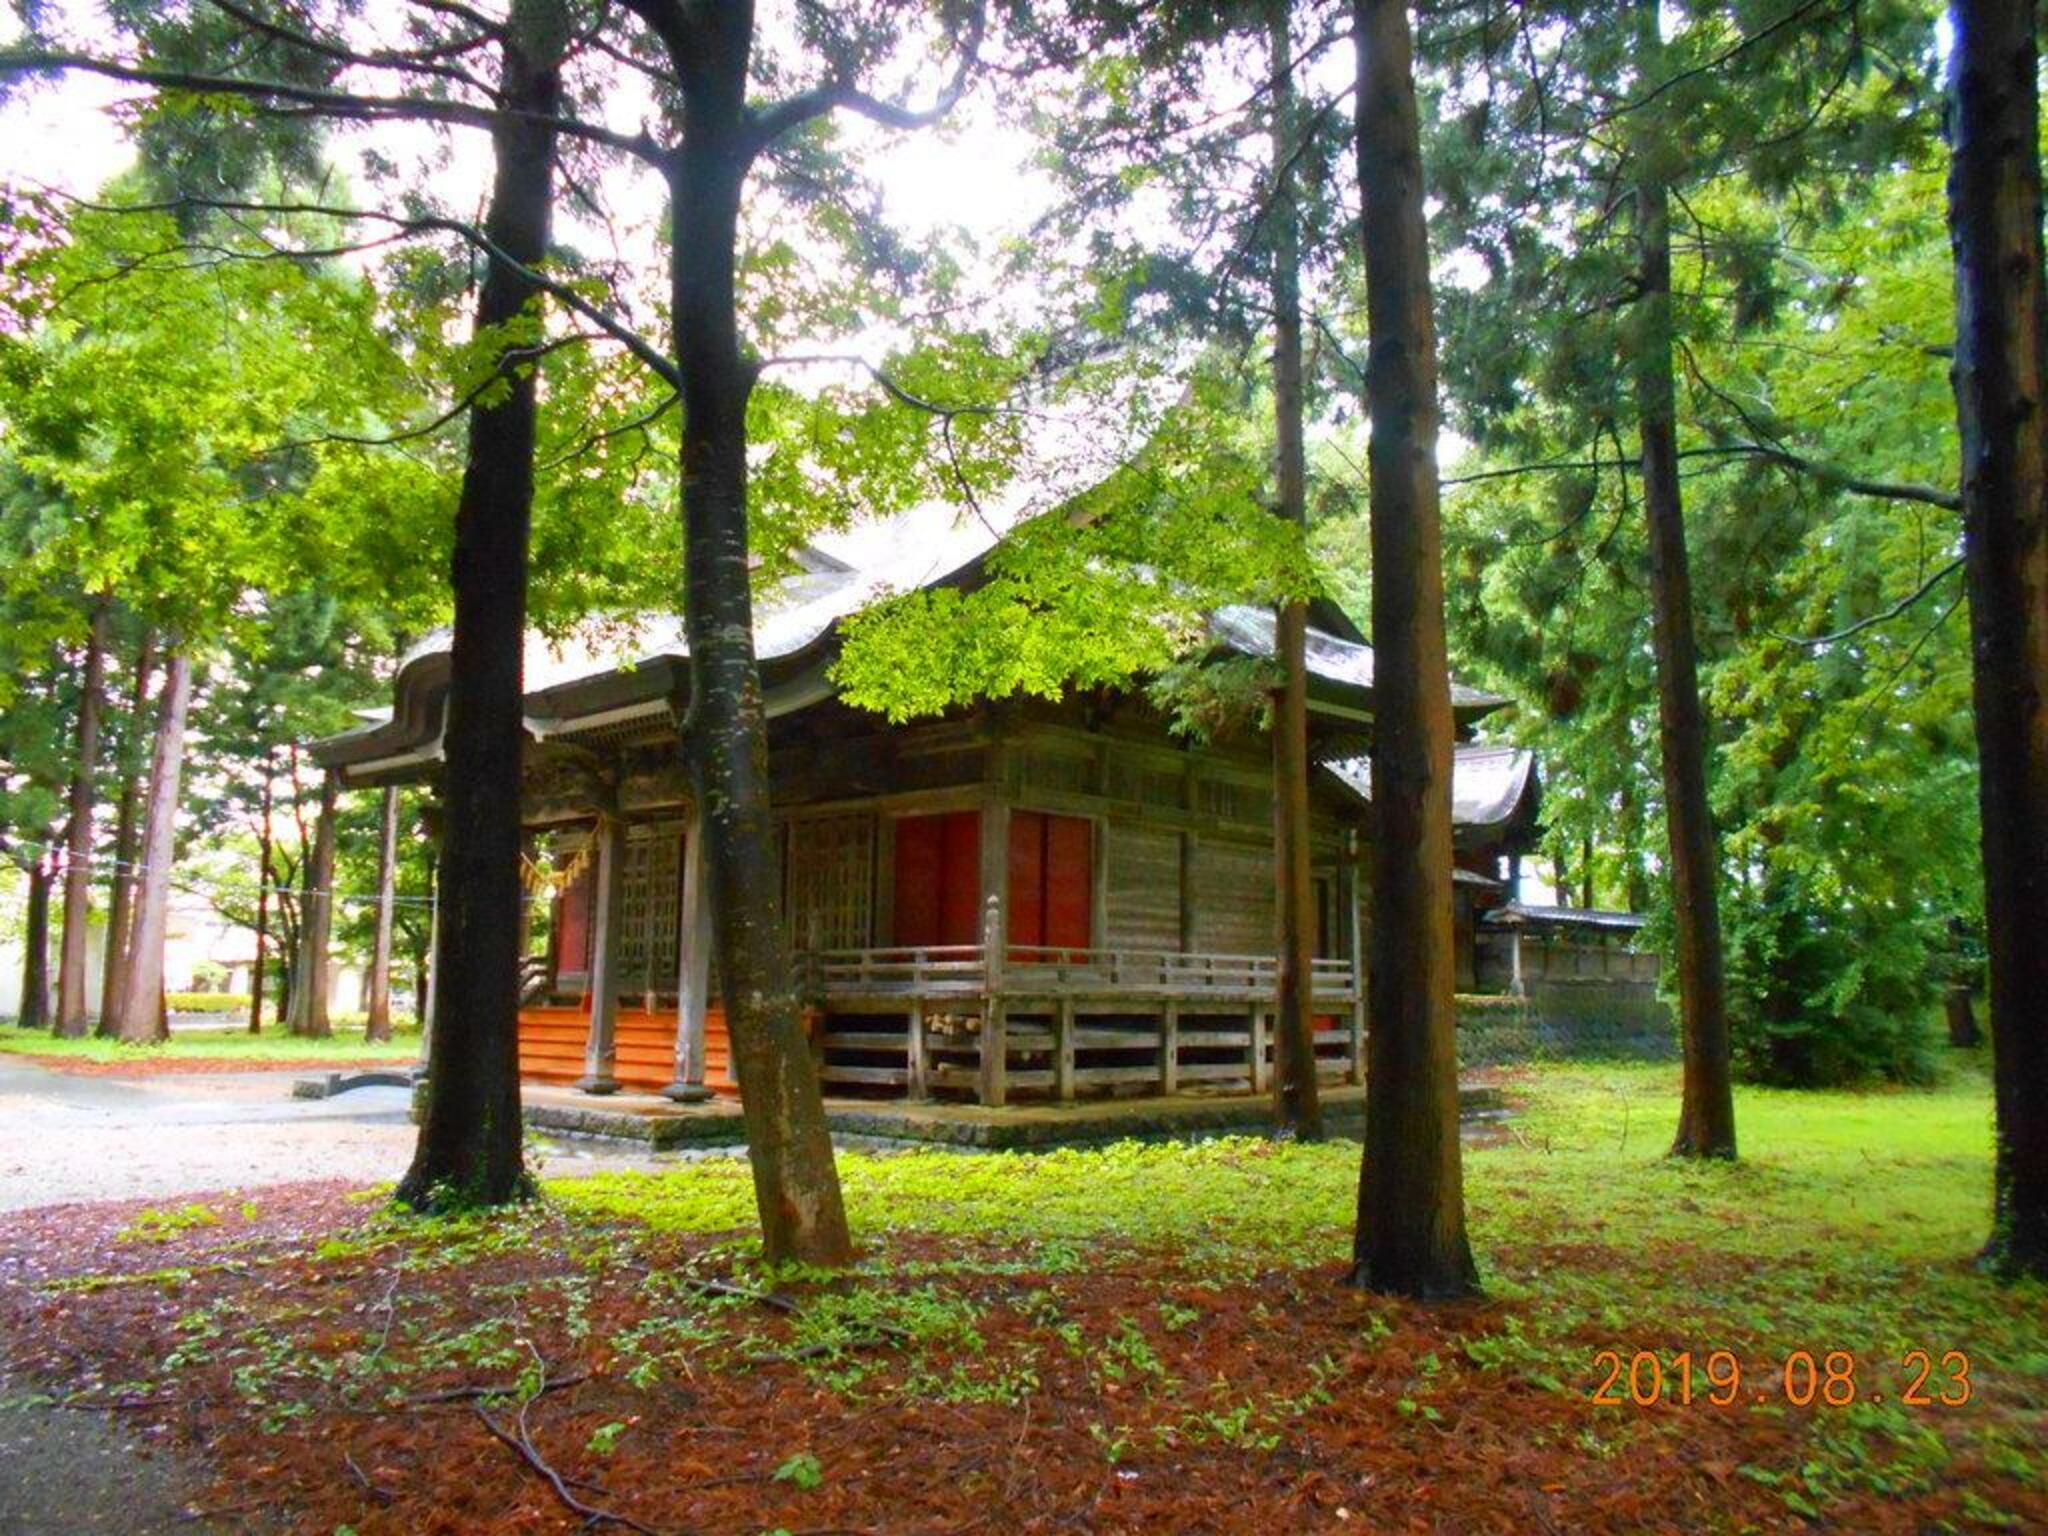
1562, 1020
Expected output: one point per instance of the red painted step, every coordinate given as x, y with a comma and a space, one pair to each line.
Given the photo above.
552, 1040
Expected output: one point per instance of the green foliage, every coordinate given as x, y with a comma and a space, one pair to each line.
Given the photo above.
1114, 585
160, 408
1813, 301
1826, 990
205, 1002
802, 1471
154, 1225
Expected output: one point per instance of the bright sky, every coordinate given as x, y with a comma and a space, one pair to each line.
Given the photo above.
969, 173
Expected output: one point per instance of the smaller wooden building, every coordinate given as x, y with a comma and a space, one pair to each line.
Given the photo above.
1022, 899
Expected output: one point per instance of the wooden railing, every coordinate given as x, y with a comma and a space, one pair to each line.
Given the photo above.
1041, 970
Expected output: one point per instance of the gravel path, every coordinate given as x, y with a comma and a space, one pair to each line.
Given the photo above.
66, 1137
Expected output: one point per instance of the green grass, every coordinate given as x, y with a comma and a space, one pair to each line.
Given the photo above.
234, 1044
1901, 1174
1850, 1221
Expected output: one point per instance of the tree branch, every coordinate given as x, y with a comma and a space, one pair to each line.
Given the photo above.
1841, 479
663, 366
327, 103
895, 390
1883, 617
425, 61
771, 123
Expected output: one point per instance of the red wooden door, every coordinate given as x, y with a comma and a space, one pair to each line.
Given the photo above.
1069, 882
1052, 881
938, 879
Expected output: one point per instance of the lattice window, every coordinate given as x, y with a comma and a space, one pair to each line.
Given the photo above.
830, 880
651, 909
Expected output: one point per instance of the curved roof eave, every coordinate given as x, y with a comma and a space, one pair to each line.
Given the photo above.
795, 640
1494, 790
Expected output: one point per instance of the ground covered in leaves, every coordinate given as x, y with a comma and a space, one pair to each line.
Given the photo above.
1139, 1338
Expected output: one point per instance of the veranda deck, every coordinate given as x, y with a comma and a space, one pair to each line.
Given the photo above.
987, 1023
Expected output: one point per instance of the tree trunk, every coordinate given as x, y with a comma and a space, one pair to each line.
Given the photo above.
1586, 873
796, 1182
1297, 1105
2001, 385
470, 1142
287, 946
1706, 1119
1411, 1200
264, 876
1963, 1033
138, 1012
127, 836
378, 1025
308, 1017
35, 942
71, 1010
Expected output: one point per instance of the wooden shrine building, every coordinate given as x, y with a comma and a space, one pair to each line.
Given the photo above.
1018, 900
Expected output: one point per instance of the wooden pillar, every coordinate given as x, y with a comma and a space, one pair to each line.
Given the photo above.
995, 855
1355, 871
1169, 1048
378, 1004
600, 1054
693, 971
918, 1085
419, 1070
995, 1031
1063, 1052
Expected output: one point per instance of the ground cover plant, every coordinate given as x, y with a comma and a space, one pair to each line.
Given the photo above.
206, 1050
1139, 1336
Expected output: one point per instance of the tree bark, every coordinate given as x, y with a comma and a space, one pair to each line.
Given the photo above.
1411, 1202
2001, 386
71, 1010
308, 1016
1297, 1105
138, 1013
796, 1182
470, 1142
377, 1027
127, 836
35, 943
1963, 1033
264, 875
1706, 1119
